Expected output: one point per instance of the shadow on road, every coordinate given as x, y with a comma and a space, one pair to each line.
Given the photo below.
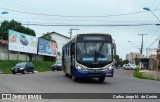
89, 81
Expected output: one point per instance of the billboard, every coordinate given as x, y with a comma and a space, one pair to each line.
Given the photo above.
22, 42
46, 47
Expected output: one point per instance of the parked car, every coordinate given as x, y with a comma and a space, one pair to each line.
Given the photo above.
23, 67
129, 66
57, 66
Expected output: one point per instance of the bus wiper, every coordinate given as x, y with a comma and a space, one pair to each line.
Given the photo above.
96, 55
101, 47
86, 52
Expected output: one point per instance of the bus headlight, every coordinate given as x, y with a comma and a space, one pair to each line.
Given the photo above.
80, 67
108, 67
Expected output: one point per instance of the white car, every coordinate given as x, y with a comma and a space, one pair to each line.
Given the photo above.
129, 66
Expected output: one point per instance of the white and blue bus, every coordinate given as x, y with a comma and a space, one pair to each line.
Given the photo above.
89, 56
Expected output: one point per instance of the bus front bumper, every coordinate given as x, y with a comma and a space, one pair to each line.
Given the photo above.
93, 74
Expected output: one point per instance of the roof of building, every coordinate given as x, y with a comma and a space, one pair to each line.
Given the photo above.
59, 34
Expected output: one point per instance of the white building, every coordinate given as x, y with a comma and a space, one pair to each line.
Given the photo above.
151, 51
132, 55
60, 40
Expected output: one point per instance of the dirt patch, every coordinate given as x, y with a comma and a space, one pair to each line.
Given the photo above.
152, 74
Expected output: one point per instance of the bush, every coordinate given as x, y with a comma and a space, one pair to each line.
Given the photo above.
137, 74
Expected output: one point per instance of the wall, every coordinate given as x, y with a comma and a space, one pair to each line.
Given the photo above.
5, 55
153, 62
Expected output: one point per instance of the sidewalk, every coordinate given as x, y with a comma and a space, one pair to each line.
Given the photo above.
151, 73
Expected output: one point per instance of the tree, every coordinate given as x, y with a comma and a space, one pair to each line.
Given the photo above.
125, 62
16, 26
48, 37
117, 60
137, 61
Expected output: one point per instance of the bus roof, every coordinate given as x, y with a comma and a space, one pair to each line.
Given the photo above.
89, 33
84, 34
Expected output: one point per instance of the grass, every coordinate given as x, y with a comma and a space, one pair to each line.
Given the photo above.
40, 66
140, 75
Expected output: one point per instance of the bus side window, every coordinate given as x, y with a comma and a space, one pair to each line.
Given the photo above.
72, 49
72, 53
69, 52
65, 51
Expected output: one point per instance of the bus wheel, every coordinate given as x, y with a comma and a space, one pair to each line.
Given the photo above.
74, 78
101, 79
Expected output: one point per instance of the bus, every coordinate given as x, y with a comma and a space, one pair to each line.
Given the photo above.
89, 55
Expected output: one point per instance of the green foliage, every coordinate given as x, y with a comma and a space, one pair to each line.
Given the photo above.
40, 66
16, 26
125, 62
48, 37
5, 66
118, 60
137, 61
138, 74
122, 62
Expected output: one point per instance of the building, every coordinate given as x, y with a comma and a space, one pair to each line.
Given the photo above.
153, 62
60, 40
153, 55
144, 63
132, 55
154, 58
151, 51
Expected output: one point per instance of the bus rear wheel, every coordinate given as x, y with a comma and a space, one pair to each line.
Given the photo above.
101, 79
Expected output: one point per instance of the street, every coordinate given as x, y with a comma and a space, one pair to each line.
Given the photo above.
56, 82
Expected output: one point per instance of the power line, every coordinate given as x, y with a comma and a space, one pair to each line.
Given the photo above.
78, 20
155, 32
142, 29
151, 44
43, 14
13, 4
28, 6
92, 25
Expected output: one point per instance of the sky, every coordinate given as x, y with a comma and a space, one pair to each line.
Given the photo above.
90, 12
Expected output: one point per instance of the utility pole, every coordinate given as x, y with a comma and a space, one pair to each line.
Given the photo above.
142, 42
71, 32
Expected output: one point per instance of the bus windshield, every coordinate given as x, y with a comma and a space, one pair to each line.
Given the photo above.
94, 52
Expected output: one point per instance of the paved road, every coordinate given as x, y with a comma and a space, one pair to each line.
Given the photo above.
56, 82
